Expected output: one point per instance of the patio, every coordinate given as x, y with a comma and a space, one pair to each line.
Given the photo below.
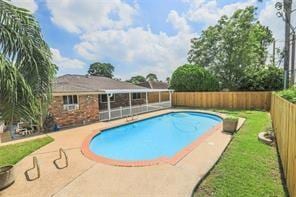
86, 177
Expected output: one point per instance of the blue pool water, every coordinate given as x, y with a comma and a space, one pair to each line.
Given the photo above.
160, 136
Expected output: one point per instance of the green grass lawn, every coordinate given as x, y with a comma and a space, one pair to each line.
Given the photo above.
13, 153
247, 167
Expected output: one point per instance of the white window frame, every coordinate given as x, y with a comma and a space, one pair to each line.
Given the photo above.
112, 98
71, 106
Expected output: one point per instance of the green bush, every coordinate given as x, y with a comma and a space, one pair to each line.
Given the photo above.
289, 94
262, 78
230, 117
189, 77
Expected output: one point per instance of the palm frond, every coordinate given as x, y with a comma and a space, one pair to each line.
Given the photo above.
16, 98
25, 57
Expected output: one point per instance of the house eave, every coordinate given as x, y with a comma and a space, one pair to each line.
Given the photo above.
118, 91
111, 91
75, 93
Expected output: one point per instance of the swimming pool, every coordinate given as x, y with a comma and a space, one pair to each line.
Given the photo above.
157, 138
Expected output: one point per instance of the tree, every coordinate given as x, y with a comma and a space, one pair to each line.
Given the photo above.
262, 78
101, 69
137, 79
168, 79
151, 77
232, 45
117, 79
26, 70
188, 78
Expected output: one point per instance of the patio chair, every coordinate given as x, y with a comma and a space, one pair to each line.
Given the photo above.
25, 128
27, 132
20, 129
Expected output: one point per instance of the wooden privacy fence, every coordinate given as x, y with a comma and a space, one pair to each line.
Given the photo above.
283, 115
153, 97
227, 100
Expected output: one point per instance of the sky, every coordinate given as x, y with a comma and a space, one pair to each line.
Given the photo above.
136, 36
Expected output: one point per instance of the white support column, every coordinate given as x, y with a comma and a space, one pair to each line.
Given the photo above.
170, 92
147, 102
109, 106
130, 102
159, 97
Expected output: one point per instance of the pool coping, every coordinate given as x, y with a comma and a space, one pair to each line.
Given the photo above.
170, 160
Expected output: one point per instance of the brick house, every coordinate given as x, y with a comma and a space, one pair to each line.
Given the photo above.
82, 99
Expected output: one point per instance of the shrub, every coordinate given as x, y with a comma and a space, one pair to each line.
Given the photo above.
289, 94
233, 118
189, 77
262, 78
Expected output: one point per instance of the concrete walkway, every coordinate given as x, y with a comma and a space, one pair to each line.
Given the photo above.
84, 177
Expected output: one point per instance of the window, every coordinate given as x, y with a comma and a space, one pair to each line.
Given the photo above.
136, 96
70, 100
103, 98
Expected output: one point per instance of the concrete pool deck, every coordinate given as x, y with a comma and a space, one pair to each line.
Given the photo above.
84, 177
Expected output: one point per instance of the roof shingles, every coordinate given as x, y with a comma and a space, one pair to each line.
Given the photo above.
85, 83
154, 84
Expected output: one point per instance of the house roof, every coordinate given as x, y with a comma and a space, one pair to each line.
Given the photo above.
84, 83
154, 85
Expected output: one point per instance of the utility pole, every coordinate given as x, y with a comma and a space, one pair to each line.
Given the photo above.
287, 8
273, 52
293, 60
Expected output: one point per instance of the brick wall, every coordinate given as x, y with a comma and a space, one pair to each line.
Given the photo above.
122, 100
88, 111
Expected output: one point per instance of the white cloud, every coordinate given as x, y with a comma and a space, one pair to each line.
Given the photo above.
65, 62
78, 16
268, 17
30, 5
208, 12
140, 49
107, 33
105, 37
179, 22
